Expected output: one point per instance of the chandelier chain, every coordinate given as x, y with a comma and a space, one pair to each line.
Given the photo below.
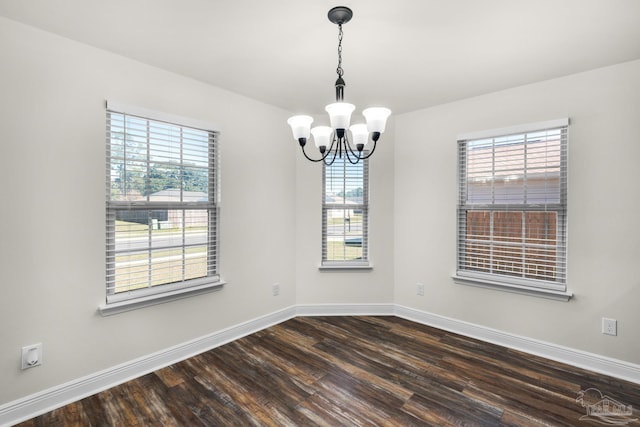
339, 70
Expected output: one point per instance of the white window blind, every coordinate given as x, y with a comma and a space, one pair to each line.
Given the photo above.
345, 212
512, 208
161, 207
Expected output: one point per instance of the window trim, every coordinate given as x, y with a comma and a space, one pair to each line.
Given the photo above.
108, 309
462, 279
505, 282
346, 265
130, 300
364, 264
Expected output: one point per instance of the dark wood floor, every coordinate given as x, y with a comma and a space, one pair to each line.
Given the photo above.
343, 371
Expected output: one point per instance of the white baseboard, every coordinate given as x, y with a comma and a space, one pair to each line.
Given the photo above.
581, 359
345, 309
55, 397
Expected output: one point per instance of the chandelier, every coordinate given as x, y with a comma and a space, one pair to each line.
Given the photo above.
334, 141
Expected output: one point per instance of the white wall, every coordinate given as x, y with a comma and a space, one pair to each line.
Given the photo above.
52, 190
604, 201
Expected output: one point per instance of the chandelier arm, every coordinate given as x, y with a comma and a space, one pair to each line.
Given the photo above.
348, 144
314, 160
356, 155
370, 152
331, 150
333, 143
353, 162
324, 156
333, 159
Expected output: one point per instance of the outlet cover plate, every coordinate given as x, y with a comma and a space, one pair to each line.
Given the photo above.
31, 356
609, 326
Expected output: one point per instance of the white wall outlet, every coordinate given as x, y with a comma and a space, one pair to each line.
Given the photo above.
420, 289
275, 289
609, 326
31, 356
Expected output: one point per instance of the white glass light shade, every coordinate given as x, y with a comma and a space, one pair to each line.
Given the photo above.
340, 114
376, 118
300, 125
360, 134
321, 135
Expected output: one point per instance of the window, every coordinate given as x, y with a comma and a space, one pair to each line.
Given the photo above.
345, 210
161, 208
512, 207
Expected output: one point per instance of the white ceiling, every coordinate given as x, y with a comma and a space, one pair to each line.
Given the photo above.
404, 54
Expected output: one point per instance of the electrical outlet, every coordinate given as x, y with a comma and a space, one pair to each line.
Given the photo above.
420, 289
275, 289
31, 356
609, 326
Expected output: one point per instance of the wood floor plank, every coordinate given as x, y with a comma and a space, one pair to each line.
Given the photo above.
454, 405
169, 376
525, 396
348, 368
509, 363
364, 400
349, 371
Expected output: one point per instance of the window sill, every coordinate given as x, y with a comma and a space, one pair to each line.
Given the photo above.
514, 288
346, 266
146, 301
